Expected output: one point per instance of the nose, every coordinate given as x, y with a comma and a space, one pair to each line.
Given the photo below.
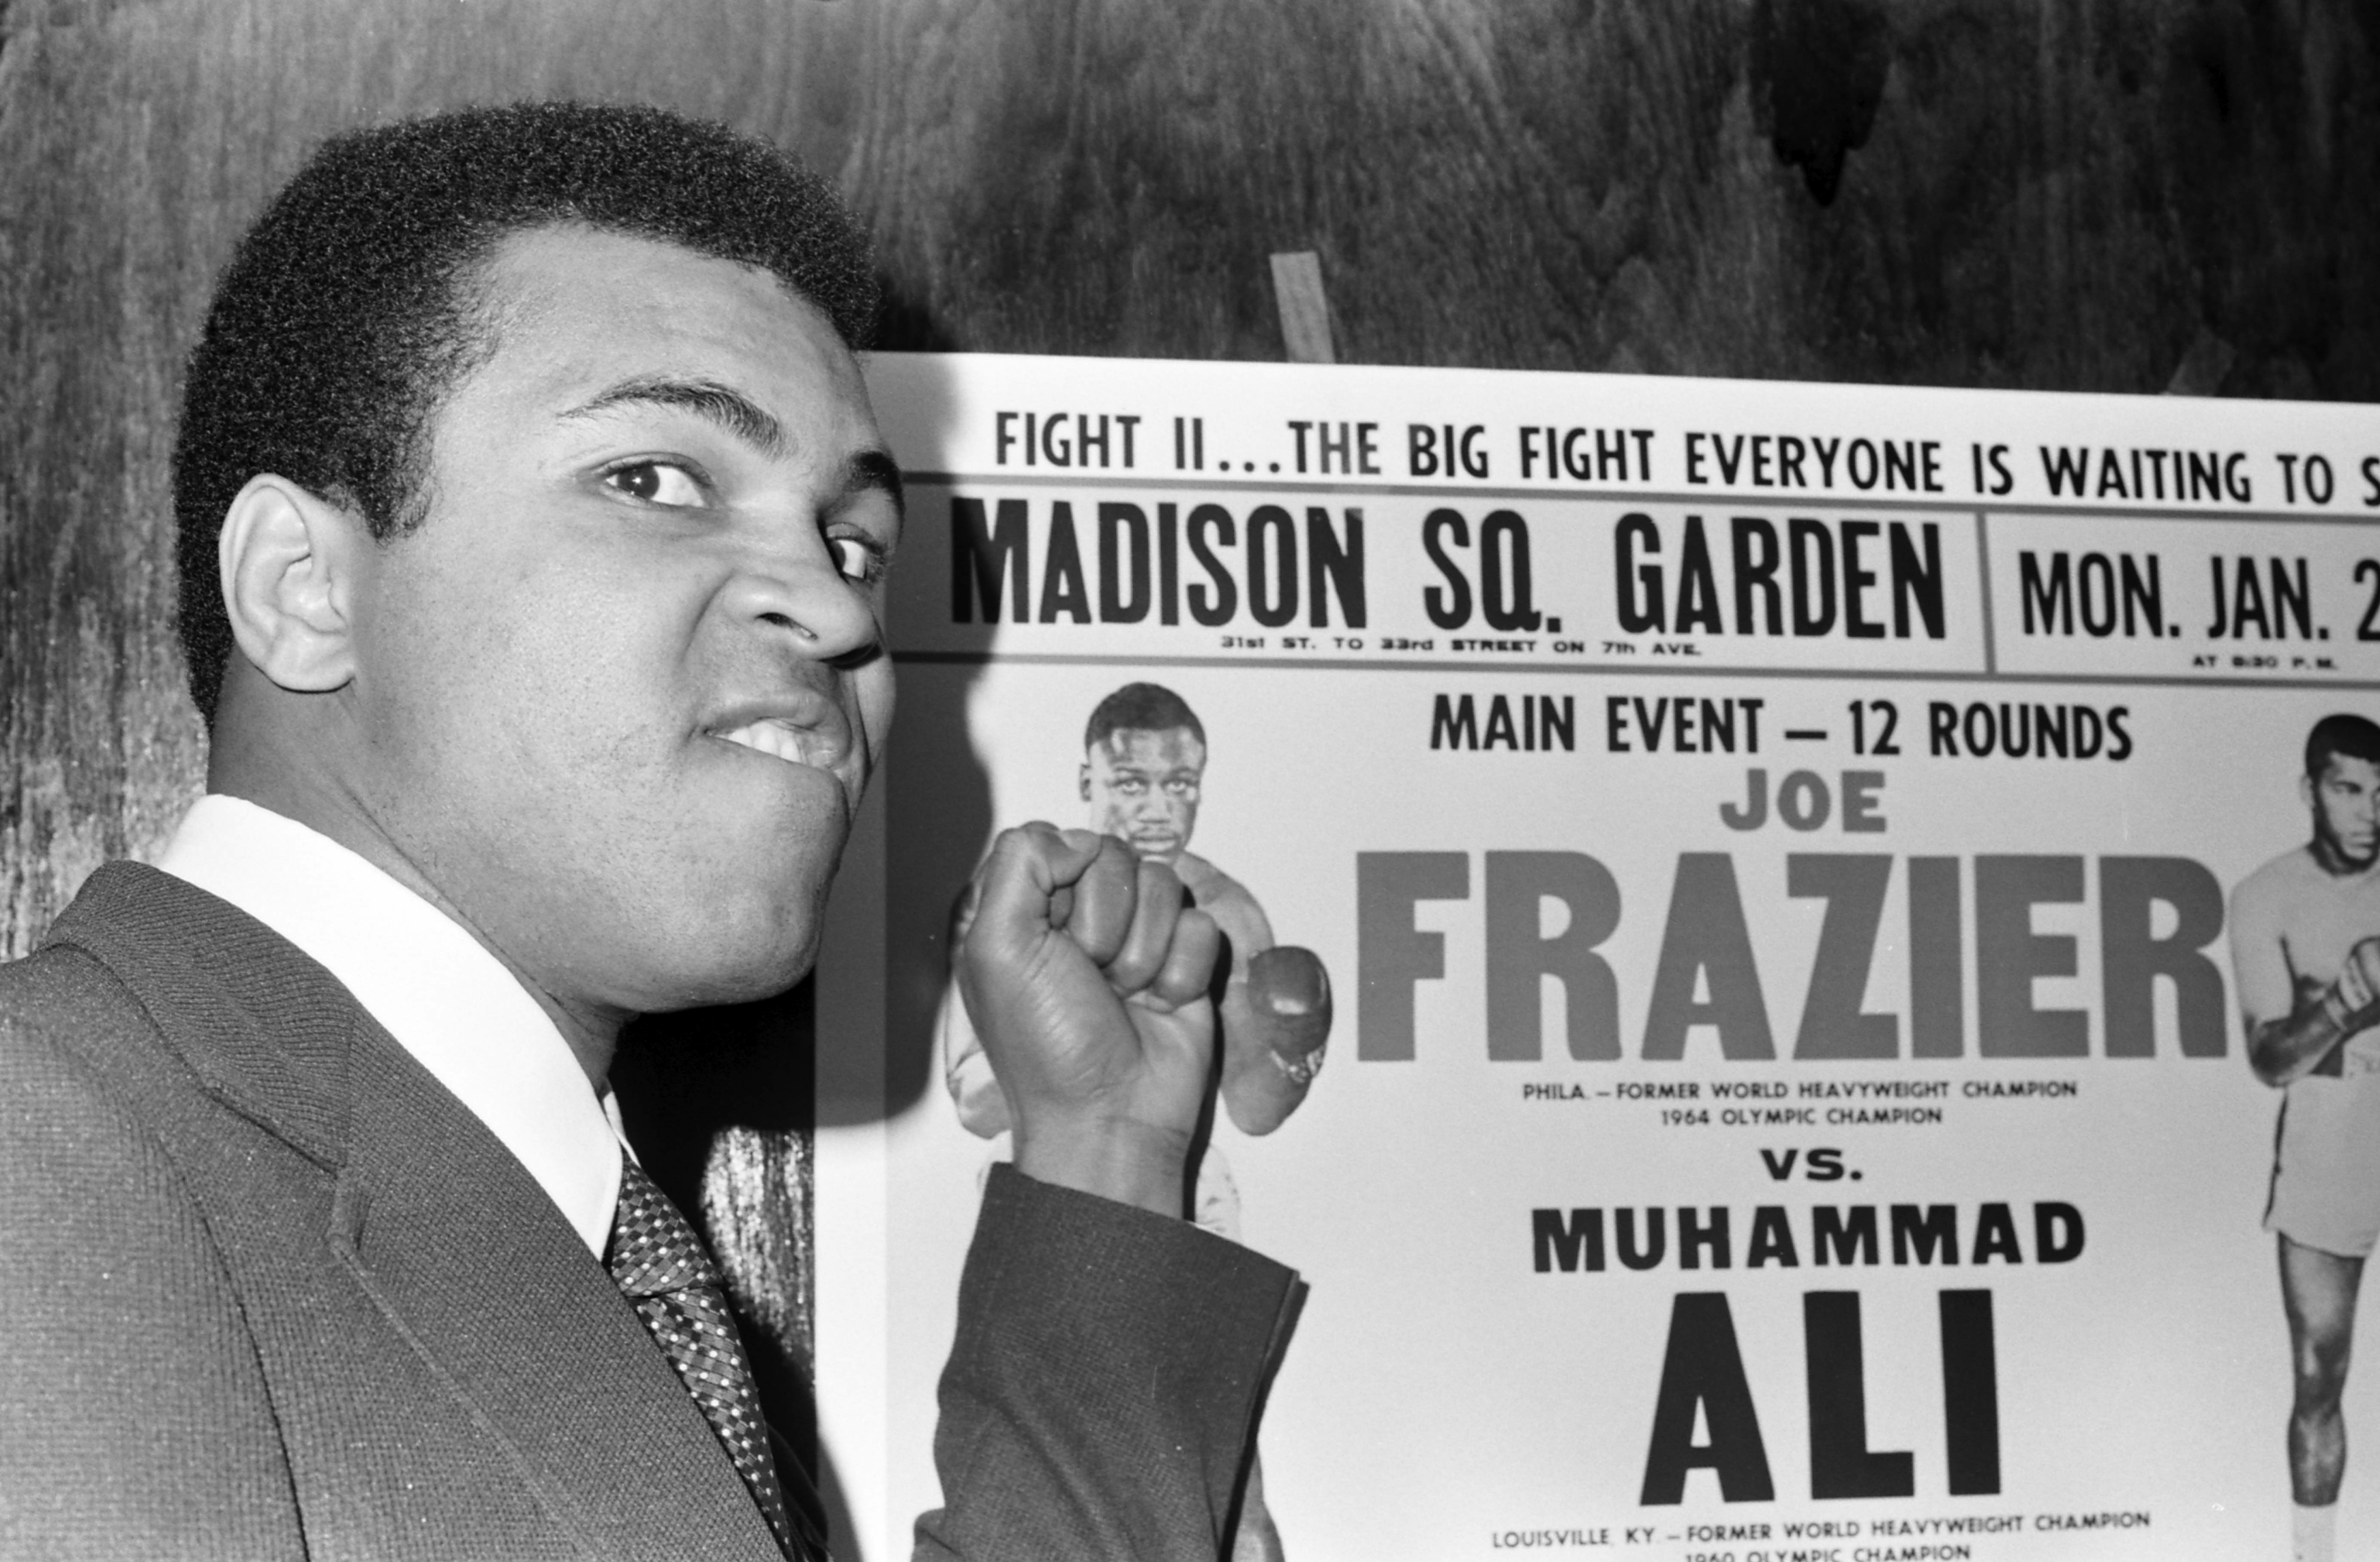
823, 614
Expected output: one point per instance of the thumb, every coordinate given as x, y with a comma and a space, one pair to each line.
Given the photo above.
1029, 870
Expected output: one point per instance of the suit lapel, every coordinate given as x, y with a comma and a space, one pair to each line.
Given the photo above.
468, 1257
456, 1244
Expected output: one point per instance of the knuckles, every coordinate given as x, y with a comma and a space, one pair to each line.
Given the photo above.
1106, 899
1131, 919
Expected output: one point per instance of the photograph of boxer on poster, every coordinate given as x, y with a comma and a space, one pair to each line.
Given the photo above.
2305, 950
1143, 763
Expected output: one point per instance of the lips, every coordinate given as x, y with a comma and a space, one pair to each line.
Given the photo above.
804, 729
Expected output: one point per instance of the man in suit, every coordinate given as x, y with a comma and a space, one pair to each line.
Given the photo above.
533, 530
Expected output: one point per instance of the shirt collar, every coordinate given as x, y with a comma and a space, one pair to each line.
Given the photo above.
431, 985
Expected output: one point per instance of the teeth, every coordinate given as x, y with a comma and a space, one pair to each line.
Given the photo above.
773, 737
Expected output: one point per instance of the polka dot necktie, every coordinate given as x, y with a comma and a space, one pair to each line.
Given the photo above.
661, 1265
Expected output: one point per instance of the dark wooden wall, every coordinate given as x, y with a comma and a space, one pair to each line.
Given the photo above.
2079, 194
2044, 194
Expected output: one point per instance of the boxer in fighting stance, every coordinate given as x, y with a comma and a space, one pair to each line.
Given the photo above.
1144, 760
2305, 951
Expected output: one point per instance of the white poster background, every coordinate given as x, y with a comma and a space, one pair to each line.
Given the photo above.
1443, 1399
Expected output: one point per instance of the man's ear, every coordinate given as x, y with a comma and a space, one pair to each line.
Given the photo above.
2306, 790
1083, 781
289, 561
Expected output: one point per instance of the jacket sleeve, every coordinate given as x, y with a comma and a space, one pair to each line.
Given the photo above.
134, 1419
1103, 1389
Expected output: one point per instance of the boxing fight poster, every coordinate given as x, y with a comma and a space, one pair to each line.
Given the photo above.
1843, 911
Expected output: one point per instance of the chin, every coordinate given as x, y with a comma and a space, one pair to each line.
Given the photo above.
749, 986
726, 977
719, 951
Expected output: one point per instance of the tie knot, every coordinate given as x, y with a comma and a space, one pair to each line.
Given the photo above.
654, 1250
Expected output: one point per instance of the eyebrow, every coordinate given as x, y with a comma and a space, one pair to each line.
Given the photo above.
879, 471
731, 409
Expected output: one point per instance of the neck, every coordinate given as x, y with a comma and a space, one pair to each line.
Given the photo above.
294, 786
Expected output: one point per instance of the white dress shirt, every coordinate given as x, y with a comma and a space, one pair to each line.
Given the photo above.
430, 984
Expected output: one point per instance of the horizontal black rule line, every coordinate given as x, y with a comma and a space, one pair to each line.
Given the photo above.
1605, 669
1703, 498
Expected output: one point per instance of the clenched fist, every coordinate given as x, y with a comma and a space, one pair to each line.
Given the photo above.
1275, 1021
1289, 995
2353, 1001
1086, 979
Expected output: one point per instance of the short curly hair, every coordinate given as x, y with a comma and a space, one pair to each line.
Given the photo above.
351, 309
2351, 736
1140, 707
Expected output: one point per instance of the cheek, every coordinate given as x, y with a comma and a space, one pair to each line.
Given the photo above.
522, 686
430, 677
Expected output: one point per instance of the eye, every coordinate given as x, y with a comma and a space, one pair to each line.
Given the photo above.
857, 559
658, 482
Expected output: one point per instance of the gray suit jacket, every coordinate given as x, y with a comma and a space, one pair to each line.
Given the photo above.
268, 1291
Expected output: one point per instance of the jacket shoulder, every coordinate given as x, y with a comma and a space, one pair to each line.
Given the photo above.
134, 1416
55, 994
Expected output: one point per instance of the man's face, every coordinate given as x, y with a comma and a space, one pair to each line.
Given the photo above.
621, 690
1143, 789
2346, 800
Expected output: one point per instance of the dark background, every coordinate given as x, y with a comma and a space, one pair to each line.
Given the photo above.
2104, 195
2070, 194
